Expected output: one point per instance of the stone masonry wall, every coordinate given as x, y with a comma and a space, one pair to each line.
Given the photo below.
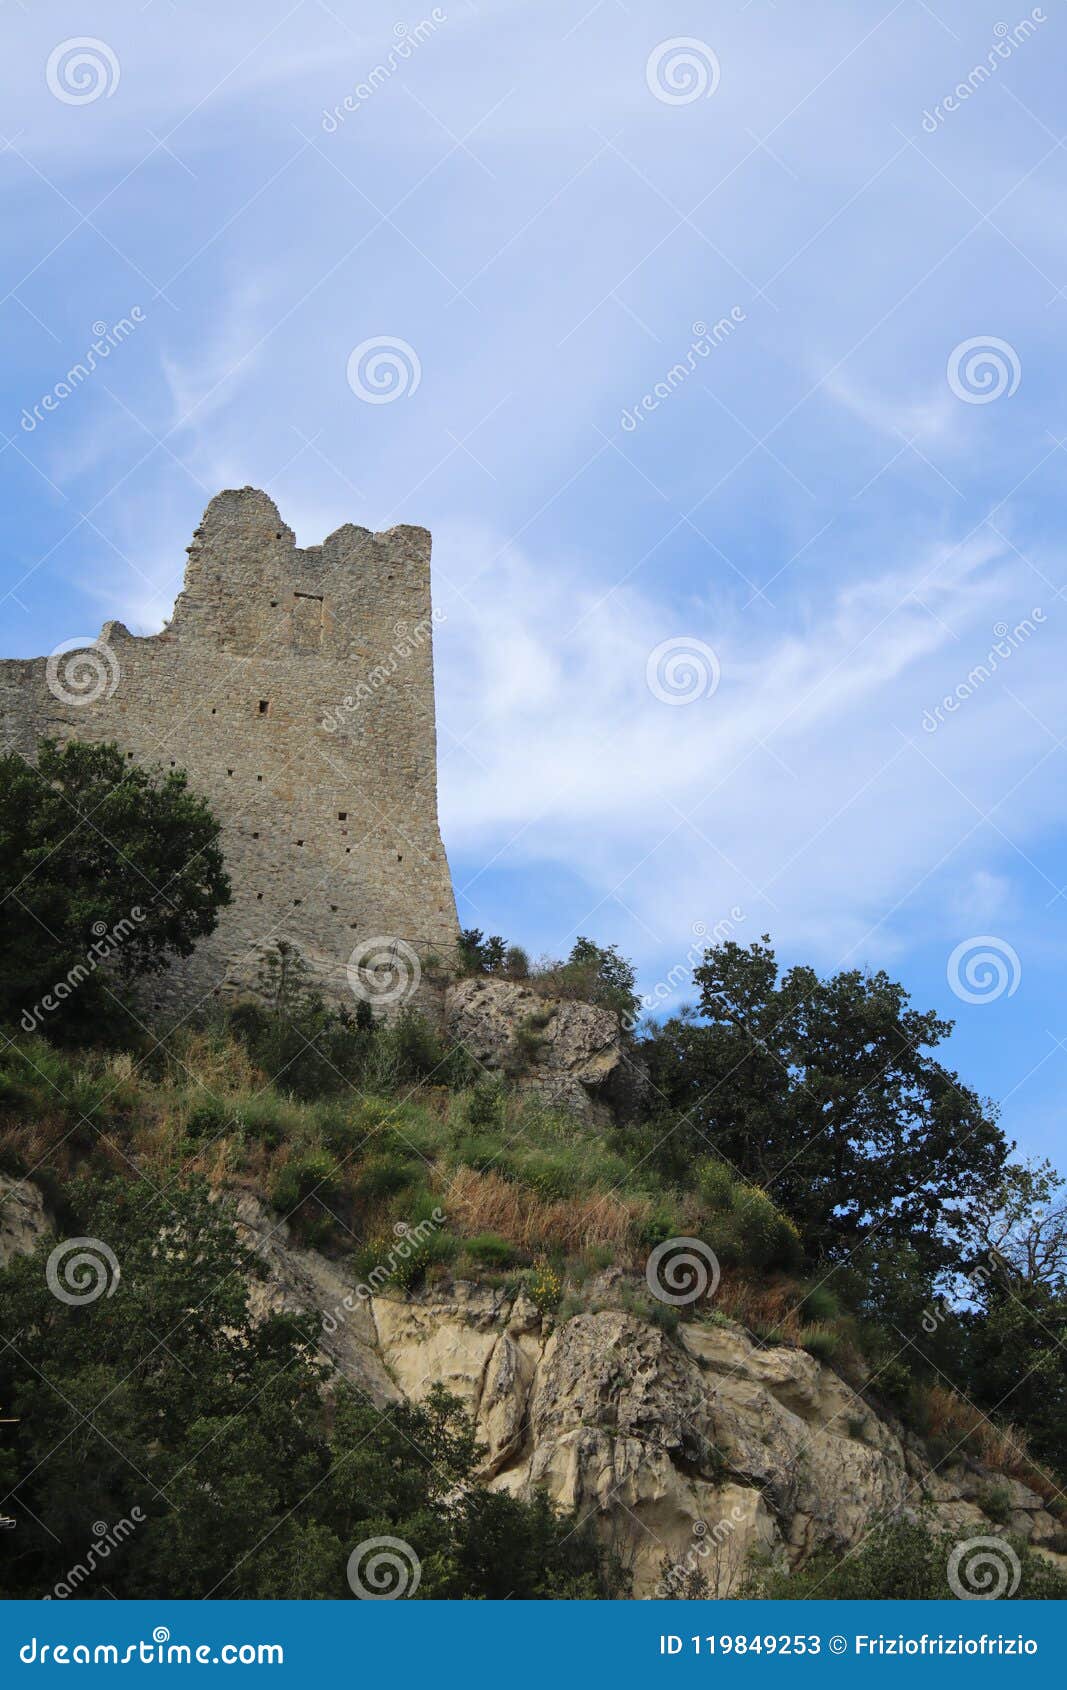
296, 687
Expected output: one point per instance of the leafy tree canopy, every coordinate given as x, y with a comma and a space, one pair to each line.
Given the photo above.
824, 1092
164, 1403
110, 869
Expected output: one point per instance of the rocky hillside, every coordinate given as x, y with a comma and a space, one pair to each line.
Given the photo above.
571, 1054
690, 1449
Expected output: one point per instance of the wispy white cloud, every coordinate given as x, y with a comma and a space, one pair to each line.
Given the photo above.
933, 417
803, 789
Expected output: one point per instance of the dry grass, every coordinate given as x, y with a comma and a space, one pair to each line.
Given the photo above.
768, 1306
486, 1203
220, 1065
1004, 1447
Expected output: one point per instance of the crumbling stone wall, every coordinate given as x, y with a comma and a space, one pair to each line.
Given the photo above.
296, 687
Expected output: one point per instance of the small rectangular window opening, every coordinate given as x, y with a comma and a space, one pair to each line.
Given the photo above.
264, 706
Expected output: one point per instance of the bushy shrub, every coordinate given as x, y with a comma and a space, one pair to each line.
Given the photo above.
484, 1105
553, 1173
822, 1342
410, 1052
383, 1176
665, 1316
343, 1132
209, 1121
401, 1263
490, 1251
595, 974
744, 1227
996, 1502
305, 1047
661, 1224
717, 1184
270, 1120
820, 1305
901, 1560
544, 1286
304, 1178
488, 1155
481, 955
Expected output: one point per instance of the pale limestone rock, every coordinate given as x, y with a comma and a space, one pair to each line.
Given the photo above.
690, 1451
693, 1452
572, 1054
480, 1346
301, 1282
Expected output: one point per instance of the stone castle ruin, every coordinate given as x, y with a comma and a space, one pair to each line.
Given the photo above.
296, 688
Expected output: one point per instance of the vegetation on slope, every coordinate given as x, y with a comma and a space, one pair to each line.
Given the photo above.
208, 1435
858, 1197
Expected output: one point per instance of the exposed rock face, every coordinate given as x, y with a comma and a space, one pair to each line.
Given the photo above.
23, 1221
570, 1053
297, 1281
690, 1450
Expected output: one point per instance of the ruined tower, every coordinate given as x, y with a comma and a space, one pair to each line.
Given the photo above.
296, 688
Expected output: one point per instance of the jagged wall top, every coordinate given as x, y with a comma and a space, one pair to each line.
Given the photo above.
296, 688
244, 565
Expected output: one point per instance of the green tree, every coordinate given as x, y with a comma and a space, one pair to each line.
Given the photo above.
1018, 1228
1014, 1305
480, 954
109, 869
824, 1093
163, 1402
905, 1559
1017, 1364
604, 976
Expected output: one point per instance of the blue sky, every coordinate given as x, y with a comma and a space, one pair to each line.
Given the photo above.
546, 209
